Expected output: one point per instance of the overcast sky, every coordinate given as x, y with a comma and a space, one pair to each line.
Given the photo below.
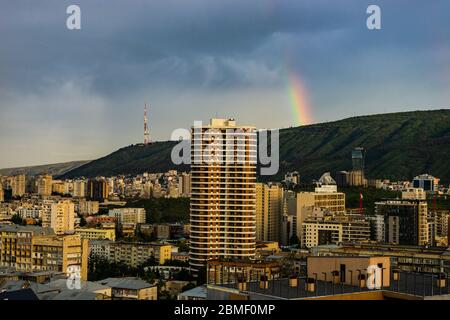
79, 94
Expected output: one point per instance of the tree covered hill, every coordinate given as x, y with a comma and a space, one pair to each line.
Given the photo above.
398, 146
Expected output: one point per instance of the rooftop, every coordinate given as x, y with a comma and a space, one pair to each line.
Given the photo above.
36, 230
410, 284
125, 283
197, 292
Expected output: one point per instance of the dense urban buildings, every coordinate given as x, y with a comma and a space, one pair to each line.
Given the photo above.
240, 228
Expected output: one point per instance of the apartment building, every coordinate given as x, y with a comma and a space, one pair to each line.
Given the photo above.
223, 193
269, 211
129, 288
60, 187
334, 229
96, 233
405, 221
185, 184
97, 189
29, 211
426, 182
32, 248
130, 253
407, 258
162, 231
18, 184
79, 189
86, 207
325, 196
44, 185
439, 219
62, 217
128, 215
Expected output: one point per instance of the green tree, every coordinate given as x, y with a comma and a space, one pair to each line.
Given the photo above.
183, 275
294, 240
183, 246
189, 286
16, 219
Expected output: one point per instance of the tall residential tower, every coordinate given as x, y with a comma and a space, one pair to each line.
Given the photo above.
223, 192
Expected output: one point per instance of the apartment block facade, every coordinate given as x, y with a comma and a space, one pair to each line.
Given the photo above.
223, 192
128, 215
334, 230
325, 197
269, 211
130, 253
96, 234
30, 248
405, 221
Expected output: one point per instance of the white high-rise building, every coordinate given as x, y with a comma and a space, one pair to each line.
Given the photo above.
223, 192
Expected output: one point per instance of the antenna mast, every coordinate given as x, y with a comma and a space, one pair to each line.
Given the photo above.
146, 131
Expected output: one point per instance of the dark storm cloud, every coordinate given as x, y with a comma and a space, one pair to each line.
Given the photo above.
124, 44
70, 95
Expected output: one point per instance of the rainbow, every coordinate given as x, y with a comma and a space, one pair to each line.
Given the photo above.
299, 100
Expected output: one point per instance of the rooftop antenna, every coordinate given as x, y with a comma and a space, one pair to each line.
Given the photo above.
146, 130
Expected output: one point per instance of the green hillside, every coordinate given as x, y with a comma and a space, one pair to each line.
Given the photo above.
53, 169
399, 146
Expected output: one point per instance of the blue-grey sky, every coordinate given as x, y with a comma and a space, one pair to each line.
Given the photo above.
79, 94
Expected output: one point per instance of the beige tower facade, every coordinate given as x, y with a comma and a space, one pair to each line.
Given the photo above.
44, 185
223, 178
269, 211
325, 197
62, 219
18, 184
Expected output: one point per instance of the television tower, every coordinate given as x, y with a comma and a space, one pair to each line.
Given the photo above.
146, 131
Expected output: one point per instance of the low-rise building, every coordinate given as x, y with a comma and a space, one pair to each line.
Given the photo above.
197, 293
130, 289
130, 253
96, 233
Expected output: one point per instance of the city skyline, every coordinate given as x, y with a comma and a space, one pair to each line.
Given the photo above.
78, 95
